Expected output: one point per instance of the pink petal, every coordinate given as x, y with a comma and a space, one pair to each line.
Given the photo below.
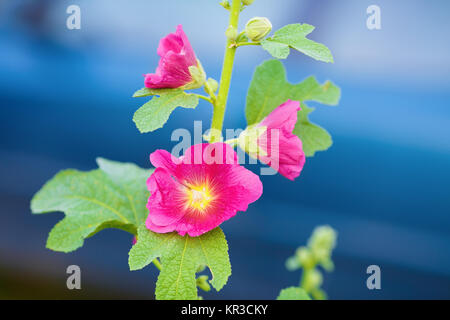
172, 72
187, 48
289, 159
166, 200
172, 42
283, 117
158, 229
177, 56
244, 187
292, 157
163, 159
209, 153
195, 225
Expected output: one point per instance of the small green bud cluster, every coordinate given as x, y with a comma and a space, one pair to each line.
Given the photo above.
225, 4
316, 253
322, 243
202, 283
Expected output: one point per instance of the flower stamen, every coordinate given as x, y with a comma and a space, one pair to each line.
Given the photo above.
199, 197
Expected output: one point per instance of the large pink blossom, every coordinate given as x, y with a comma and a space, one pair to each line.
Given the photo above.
177, 64
277, 146
198, 191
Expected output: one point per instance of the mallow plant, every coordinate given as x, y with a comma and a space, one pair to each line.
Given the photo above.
174, 210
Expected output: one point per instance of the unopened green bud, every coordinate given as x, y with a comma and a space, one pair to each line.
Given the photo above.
213, 85
225, 4
293, 263
327, 264
247, 2
323, 238
322, 243
305, 257
202, 283
232, 33
258, 28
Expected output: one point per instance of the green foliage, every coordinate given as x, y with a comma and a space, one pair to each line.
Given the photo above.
294, 36
113, 196
293, 293
181, 257
155, 113
269, 88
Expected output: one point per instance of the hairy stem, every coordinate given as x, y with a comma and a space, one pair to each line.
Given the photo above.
225, 78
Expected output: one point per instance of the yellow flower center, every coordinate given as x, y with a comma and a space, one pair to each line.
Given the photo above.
199, 197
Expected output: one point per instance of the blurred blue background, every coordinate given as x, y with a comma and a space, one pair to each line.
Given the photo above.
65, 98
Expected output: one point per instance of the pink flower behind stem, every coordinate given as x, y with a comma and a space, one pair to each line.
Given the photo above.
276, 145
195, 193
176, 63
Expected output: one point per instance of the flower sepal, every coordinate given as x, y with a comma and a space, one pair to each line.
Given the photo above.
198, 77
248, 140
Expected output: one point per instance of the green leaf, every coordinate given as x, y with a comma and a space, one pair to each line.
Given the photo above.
181, 257
145, 92
269, 89
132, 180
294, 36
276, 49
293, 293
155, 113
111, 197
314, 137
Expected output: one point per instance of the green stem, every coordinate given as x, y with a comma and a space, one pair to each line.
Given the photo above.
157, 264
232, 142
204, 98
225, 78
212, 97
240, 44
303, 278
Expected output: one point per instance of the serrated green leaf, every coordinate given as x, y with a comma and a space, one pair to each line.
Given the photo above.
181, 257
92, 201
155, 113
314, 137
294, 36
146, 92
269, 88
132, 180
293, 293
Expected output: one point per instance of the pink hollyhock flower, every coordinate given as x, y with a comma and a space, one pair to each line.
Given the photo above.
195, 193
178, 66
273, 143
